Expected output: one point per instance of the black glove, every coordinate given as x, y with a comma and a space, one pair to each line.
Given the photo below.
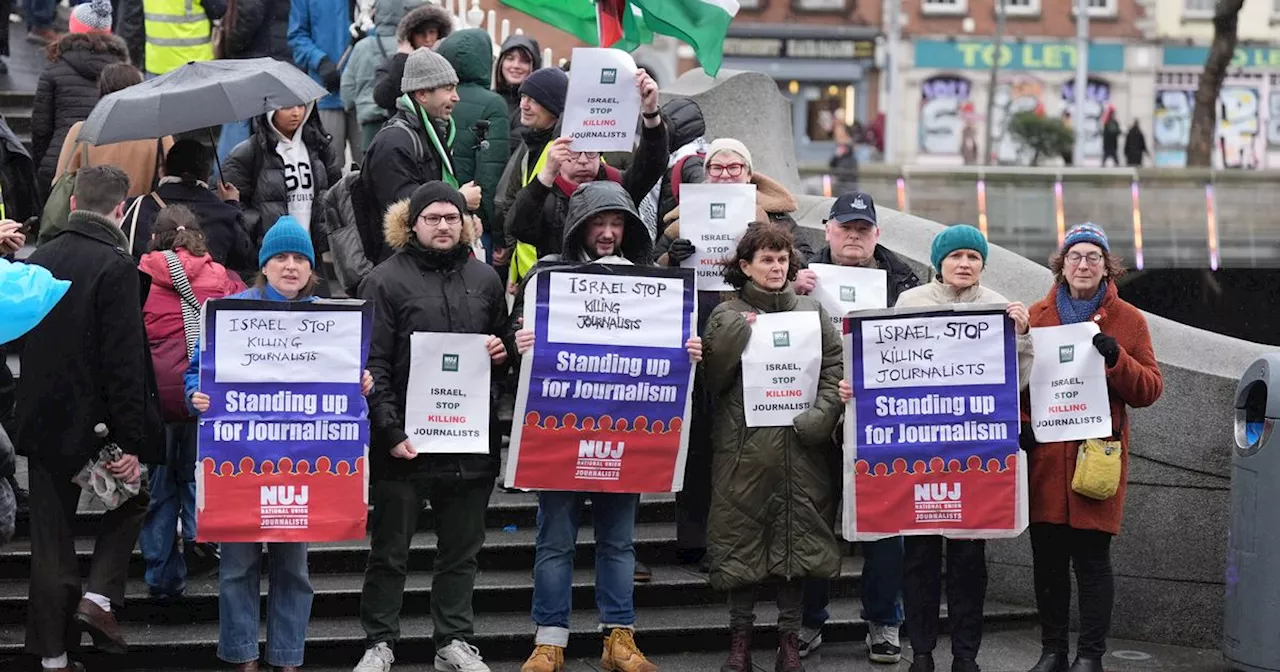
680, 250
1026, 437
329, 75
1108, 348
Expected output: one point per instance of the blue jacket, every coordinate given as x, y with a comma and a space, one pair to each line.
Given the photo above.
318, 29
191, 379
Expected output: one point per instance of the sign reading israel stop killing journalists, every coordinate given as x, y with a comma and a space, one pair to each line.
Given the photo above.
1068, 390
844, 289
605, 391
931, 438
447, 405
283, 447
602, 107
713, 217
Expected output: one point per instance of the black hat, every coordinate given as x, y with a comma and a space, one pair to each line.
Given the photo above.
433, 192
852, 207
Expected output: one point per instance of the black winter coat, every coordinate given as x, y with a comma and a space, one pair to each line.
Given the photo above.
685, 124
222, 222
87, 361
386, 82
423, 290
401, 159
898, 274
261, 29
67, 92
256, 169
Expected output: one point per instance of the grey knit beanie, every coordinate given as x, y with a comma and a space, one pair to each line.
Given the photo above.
425, 69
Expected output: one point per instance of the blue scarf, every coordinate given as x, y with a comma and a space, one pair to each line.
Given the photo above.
1071, 310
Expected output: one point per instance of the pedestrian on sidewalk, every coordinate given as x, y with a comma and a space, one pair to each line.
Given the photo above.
772, 510
176, 238
286, 259
431, 284
85, 364
1068, 530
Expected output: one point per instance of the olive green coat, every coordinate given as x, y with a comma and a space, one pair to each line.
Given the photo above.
773, 494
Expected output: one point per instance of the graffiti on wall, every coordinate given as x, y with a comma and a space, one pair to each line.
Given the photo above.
1097, 94
945, 109
1273, 119
1239, 133
1020, 93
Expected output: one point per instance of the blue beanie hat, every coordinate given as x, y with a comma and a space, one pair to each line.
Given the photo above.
287, 235
1086, 233
957, 237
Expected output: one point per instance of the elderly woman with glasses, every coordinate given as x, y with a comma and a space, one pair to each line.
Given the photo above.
1069, 529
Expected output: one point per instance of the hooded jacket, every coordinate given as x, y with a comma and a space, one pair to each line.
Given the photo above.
369, 53
418, 289
511, 92
773, 495
390, 71
67, 92
471, 54
261, 28
898, 274
256, 168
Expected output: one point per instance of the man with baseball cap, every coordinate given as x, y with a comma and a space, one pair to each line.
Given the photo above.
853, 239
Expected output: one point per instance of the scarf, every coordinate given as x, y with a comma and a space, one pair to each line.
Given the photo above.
1072, 310
446, 163
93, 219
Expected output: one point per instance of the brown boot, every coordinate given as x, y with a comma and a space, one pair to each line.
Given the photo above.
739, 659
622, 655
545, 658
788, 653
251, 666
101, 626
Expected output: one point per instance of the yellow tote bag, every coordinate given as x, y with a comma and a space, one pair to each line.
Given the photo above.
1098, 469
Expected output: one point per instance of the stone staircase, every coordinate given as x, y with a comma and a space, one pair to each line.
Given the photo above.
15, 106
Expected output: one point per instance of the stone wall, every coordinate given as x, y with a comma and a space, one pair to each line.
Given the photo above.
1169, 560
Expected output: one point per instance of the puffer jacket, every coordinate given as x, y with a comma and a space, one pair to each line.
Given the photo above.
256, 169
685, 127
418, 289
773, 496
471, 54
511, 92
350, 217
67, 92
261, 29
369, 53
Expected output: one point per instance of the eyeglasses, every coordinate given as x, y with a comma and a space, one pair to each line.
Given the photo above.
434, 220
591, 157
730, 169
1094, 258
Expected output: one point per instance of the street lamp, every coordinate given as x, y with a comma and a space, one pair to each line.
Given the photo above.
995, 74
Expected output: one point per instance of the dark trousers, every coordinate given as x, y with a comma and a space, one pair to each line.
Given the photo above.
1055, 550
55, 574
693, 503
742, 606
459, 508
966, 592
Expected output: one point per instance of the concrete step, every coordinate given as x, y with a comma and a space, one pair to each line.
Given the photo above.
19, 120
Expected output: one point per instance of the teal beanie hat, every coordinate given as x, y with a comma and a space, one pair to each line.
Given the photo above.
287, 235
957, 237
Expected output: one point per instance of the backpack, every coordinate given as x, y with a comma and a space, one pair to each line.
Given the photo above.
57, 208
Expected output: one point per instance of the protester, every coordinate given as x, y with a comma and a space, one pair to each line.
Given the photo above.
85, 364
259, 29
286, 259
421, 28
1135, 146
519, 57
687, 149
431, 284
68, 90
602, 227
11, 240
1110, 136
1068, 529
539, 213
959, 255
319, 37
176, 235
366, 55
853, 239
223, 232
284, 168
772, 501
542, 96
140, 159
164, 35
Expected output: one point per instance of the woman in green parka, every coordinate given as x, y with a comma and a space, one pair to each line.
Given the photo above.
773, 495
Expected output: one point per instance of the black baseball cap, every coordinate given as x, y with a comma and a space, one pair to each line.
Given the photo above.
852, 207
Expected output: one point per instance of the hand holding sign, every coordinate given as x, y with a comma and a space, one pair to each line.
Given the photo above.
1018, 313
558, 155
497, 351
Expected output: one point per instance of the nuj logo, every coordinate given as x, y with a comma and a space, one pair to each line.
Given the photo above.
600, 450
284, 495
938, 492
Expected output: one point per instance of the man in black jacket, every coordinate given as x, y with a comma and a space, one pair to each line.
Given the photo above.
85, 364
430, 284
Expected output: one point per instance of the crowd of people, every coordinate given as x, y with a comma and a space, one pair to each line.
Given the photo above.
461, 190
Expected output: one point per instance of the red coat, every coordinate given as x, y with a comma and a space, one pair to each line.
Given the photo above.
1134, 382
162, 312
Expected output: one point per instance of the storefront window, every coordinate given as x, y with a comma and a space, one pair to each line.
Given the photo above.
828, 108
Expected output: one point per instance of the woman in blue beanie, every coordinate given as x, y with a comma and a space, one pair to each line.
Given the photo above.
286, 261
959, 255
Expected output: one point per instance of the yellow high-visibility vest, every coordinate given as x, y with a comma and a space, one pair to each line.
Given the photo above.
177, 31
526, 255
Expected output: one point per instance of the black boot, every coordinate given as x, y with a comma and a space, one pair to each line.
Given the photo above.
964, 665
922, 662
1051, 661
1083, 664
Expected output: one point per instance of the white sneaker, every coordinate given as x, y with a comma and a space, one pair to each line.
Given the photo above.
460, 656
376, 659
883, 645
810, 640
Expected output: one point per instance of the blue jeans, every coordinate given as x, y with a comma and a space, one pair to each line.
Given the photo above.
171, 501
232, 134
881, 587
288, 602
614, 517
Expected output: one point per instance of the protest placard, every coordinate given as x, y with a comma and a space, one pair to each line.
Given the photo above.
602, 108
844, 289
283, 447
780, 367
604, 394
1068, 391
447, 401
931, 437
713, 217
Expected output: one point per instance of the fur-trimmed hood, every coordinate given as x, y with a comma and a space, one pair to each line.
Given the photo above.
771, 198
397, 230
